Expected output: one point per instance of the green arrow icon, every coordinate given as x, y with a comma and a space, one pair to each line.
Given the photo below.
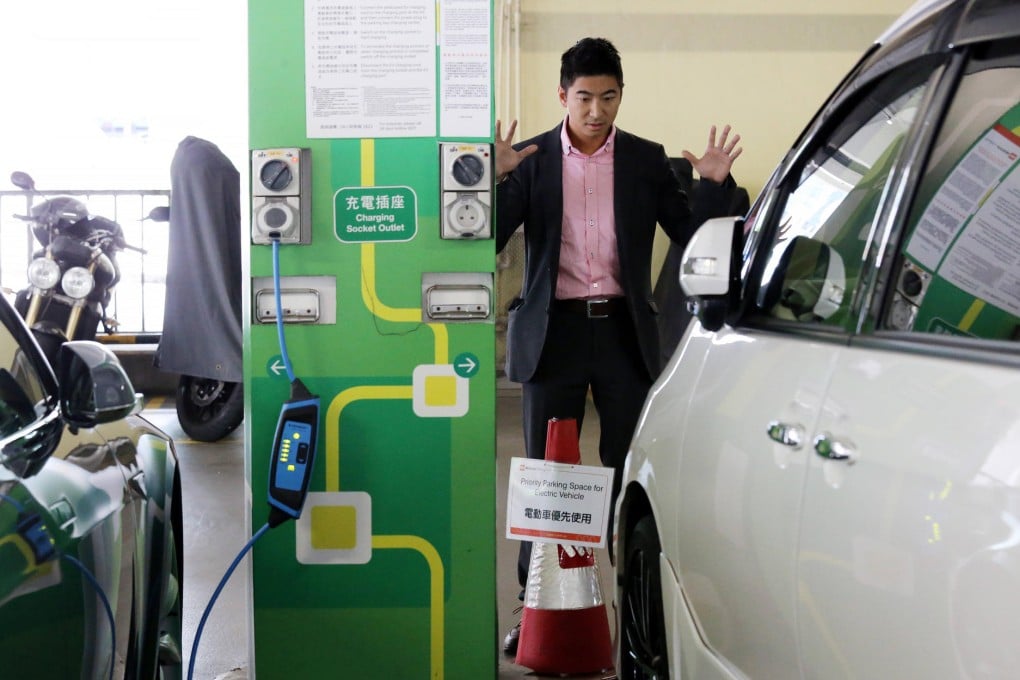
465, 365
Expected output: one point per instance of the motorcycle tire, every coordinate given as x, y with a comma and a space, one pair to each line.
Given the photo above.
209, 409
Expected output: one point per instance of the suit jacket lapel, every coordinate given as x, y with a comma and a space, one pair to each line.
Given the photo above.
624, 186
551, 172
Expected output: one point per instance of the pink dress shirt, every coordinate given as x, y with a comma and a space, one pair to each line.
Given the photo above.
589, 262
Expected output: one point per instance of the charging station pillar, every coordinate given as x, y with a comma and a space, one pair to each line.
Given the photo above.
371, 128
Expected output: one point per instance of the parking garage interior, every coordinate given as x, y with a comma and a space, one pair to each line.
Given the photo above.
243, 85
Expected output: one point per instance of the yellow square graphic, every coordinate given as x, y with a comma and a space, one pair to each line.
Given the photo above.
334, 527
440, 390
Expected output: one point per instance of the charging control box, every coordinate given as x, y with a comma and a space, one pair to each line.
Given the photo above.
290, 467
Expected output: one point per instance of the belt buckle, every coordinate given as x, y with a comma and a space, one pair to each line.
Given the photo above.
591, 305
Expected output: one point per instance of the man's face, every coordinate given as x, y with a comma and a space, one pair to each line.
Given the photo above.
592, 103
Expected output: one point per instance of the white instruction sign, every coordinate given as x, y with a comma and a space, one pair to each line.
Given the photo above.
558, 503
985, 260
962, 194
370, 68
465, 55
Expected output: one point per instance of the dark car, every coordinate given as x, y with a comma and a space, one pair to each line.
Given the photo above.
90, 519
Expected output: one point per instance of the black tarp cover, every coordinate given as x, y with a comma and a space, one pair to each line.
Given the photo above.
202, 318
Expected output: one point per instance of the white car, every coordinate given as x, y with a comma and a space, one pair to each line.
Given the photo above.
825, 480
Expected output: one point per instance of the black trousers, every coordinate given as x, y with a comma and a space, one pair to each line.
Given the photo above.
582, 353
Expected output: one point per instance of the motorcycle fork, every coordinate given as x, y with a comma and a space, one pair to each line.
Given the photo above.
72, 319
33, 308
75, 315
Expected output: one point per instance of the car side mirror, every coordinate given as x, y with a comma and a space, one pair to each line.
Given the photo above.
94, 388
161, 213
709, 269
22, 180
809, 282
33, 439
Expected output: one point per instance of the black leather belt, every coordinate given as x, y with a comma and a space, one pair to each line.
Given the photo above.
593, 308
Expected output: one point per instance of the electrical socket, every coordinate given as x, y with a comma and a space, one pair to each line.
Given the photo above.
466, 215
276, 214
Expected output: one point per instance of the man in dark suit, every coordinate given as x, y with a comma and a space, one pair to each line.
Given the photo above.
589, 196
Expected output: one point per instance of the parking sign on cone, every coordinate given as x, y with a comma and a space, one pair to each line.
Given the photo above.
564, 626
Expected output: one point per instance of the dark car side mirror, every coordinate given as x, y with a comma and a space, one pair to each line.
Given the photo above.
161, 213
31, 439
94, 388
22, 180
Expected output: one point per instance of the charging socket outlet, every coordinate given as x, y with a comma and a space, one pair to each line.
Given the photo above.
466, 189
467, 214
281, 195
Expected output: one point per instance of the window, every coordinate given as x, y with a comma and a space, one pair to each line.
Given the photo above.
958, 271
813, 263
22, 396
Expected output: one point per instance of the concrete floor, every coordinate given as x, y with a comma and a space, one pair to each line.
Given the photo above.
214, 531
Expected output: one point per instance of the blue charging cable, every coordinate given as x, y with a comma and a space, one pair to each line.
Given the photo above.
276, 516
279, 310
106, 605
219, 588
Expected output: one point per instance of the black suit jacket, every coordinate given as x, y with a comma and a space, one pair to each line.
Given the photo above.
646, 192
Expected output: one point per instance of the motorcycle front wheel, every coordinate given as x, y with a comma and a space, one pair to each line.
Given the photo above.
209, 409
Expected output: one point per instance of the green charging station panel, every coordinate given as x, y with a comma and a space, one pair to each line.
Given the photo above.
370, 130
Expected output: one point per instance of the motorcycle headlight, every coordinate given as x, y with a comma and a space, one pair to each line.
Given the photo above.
43, 273
77, 282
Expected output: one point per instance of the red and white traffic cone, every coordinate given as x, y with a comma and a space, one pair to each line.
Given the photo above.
565, 626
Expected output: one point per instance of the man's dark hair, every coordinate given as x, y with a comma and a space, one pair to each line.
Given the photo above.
590, 57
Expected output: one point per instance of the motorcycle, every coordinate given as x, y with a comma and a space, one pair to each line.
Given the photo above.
72, 276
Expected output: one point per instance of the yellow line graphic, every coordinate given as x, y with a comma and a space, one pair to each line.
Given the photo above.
442, 342
341, 401
336, 407
368, 162
371, 298
368, 291
436, 614
972, 314
23, 547
404, 314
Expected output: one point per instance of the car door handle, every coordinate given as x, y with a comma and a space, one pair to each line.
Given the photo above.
786, 434
827, 446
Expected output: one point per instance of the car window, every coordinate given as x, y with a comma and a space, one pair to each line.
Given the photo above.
22, 396
958, 271
817, 242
